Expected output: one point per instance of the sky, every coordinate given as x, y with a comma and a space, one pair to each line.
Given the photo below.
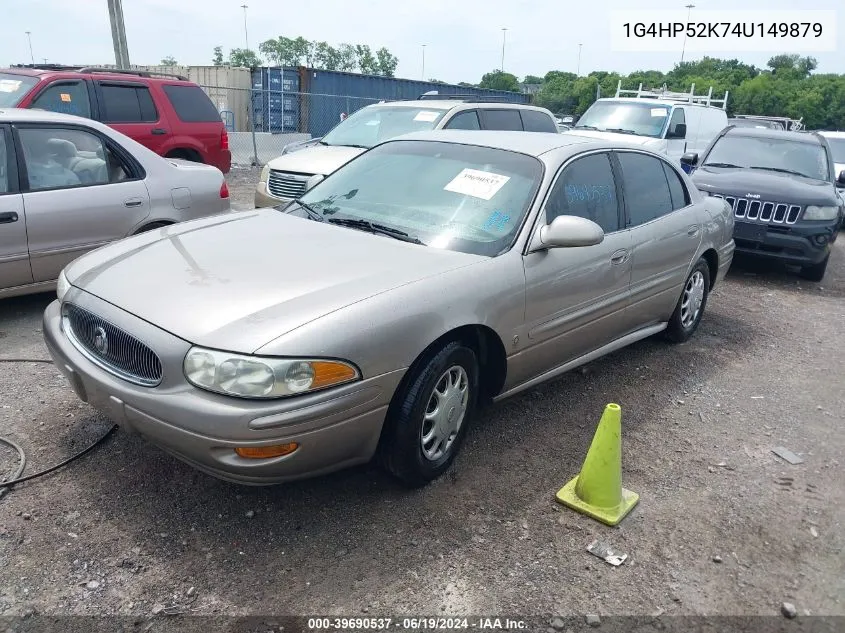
463, 38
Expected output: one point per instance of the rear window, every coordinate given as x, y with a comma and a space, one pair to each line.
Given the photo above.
535, 121
13, 88
192, 105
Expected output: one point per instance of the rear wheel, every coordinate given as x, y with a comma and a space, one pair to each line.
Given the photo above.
684, 321
151, 226
816, 271
186, 154
428, 421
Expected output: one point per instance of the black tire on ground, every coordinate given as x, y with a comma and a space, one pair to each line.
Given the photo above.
677, 331
401, 448
816, 271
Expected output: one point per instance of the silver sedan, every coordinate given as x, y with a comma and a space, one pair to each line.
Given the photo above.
372, 316
69, 185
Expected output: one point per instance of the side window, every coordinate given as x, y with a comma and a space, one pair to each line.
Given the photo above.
535, 121
677, 118
677, 190
4, 163
127, 104
192, 105
67, 157
502, 120
586, 188
467, 120
69, 97
645, 187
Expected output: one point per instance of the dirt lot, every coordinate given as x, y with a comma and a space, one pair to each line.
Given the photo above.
723, 525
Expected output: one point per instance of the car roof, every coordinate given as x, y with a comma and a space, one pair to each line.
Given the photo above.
758, 132
27, 115
449, 104
832, 134
531, 143
662, 102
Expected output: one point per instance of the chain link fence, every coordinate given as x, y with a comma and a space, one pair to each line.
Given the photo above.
261, 122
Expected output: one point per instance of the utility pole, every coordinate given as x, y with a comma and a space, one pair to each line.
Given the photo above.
118, 33
578, 68
423, 63
504, 36
689, 7
31, 56
246, 33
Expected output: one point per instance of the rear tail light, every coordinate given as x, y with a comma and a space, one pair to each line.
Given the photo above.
224, 190
224, 139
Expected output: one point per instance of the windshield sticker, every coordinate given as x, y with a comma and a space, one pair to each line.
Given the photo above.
478, 184
658, 112
65, 97
9, 85
427, 116
588, 193
496, 220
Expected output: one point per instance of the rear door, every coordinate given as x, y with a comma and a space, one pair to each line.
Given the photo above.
129, 108
81, 190
14, 256
665, 234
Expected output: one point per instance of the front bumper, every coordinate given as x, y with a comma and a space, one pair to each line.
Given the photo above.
264, 199
335, 429
801, 244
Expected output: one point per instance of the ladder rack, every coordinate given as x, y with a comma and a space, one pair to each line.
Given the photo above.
680, 97
793, 125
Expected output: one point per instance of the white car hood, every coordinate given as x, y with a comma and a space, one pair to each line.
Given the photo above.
319, 159
632, 139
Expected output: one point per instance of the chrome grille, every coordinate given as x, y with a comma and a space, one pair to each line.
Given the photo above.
762, 211
111, 348
286, 185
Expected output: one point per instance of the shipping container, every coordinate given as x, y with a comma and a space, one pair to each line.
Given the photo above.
275, 100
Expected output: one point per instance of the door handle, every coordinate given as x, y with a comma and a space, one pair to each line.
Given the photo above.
692, 230
619, 257
133, 202
8, 218
158, 131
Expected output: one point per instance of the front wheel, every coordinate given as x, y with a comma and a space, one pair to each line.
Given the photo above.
428, 421
687, 315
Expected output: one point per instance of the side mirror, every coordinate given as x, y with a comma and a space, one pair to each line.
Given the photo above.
841, 179
690, 159
679, 131
313, 181
568, 231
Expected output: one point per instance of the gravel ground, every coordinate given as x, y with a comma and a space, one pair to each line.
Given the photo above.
723, 525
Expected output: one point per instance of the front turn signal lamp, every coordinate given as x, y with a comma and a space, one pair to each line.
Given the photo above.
266, 452
245, 376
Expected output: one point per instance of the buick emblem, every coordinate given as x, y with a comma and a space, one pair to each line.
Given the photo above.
101, 341
753, 195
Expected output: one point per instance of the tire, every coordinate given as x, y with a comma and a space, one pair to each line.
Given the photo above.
194, 157
403, 450
151, 227
816, 271
682, 324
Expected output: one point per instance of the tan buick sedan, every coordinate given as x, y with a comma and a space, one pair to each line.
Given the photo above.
69, 185
371, 316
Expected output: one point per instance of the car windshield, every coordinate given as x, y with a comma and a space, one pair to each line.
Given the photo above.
642, 119
775, 154
374, 124
837, 148
13, 88
456, 197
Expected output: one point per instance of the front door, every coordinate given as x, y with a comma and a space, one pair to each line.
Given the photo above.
576, 298
14, 256
80, 192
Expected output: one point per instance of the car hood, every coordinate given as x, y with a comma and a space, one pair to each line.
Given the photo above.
769, 185
632, 139
319, 159
238, 281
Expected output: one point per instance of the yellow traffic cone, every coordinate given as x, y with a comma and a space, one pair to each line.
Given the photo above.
597, 491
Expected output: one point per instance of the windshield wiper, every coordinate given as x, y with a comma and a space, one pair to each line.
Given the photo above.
586, 127
729, 165
354, 145
781, 170
621, 130
311, 211
380, 229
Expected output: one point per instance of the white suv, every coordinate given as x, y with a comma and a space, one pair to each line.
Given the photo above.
286, 178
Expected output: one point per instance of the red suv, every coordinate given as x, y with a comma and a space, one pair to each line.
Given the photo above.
168, 113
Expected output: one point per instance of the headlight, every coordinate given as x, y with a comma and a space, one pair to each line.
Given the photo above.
265, 173
62, 286
261, 377
820, 213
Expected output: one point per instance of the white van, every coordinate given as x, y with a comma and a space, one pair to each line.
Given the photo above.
673, 123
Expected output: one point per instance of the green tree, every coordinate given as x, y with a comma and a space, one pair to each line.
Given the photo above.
244, 58
326, 56
348, 59
169, 61
532, 79
367, 62
498, 80
386, 62
217, 60
792, 66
